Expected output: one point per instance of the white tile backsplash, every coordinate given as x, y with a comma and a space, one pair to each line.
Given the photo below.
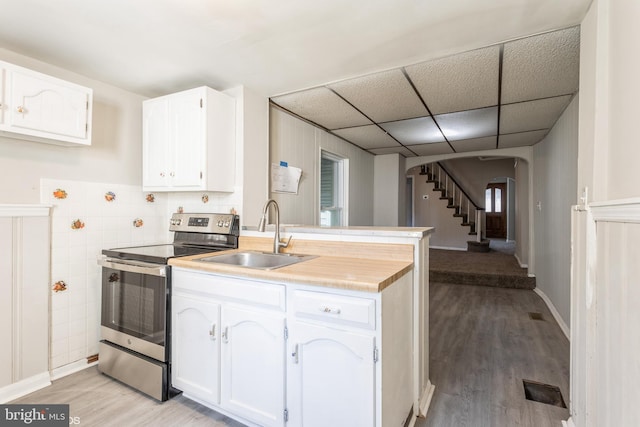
76, 311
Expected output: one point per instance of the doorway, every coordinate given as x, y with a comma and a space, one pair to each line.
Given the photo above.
495, 209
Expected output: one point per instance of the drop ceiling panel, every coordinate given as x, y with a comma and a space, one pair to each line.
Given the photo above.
541, 66
422, 130
460, 82
323, 107
367, 137
475, 144
469, 124
521, 139
431, 149
400, 150
383, 97
532, 115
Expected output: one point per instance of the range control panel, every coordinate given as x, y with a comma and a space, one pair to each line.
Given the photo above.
204, 223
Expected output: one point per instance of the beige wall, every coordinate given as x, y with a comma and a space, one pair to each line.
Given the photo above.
555, 162
605, 312
298, 143
522, 212
389, 204
115, 154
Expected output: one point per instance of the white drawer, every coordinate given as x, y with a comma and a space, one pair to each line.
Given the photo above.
353, 311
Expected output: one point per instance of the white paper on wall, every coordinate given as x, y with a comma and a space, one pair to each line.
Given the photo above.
285, 178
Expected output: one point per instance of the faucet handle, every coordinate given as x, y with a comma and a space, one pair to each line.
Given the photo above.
283, 244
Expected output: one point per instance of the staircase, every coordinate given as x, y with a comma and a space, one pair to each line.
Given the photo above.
456, 198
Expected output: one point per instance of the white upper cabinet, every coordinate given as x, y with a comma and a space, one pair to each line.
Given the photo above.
188, 142
42, 108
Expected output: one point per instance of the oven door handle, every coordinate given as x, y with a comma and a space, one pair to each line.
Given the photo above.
133, 266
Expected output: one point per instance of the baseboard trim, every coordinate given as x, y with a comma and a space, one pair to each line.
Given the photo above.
425, 400
447, 248
71, 368
24, 387
554, 312
522, 265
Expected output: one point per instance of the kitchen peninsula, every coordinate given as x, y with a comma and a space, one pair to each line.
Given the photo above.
340, 338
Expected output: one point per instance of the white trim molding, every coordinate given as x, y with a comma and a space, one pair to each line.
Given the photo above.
554, 312
71, 368
24, 387
24, 210
623, 210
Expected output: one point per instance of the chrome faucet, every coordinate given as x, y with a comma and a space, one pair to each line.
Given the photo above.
277, 244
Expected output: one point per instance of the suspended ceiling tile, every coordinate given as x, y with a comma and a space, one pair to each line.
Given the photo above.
383, 97
475, 144
532, 115
391, 150
367, 137
469, 124
431, 149
541, 66
323, 107
460, 82
422, 130
522, 139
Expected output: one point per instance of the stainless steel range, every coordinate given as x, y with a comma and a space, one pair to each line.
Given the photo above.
136, 297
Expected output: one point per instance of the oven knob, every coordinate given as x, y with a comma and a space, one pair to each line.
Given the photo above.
220, 223
226, 223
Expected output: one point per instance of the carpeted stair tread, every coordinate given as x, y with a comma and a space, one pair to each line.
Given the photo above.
478, 268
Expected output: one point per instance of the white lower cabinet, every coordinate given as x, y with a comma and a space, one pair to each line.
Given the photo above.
331, 377
196, 347
228, 345
269, 354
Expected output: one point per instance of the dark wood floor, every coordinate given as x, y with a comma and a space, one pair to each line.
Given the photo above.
483, 344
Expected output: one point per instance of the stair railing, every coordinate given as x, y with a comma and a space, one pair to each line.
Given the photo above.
452, 189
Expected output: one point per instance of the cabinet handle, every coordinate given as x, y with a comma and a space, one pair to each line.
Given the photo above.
212, 332
20, 109
330, 310
172, 174
295, 354
161, 174
225, 334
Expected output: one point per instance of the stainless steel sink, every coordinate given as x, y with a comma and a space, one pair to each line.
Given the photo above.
258, 260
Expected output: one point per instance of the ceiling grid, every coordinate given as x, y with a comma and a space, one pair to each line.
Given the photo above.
501, 96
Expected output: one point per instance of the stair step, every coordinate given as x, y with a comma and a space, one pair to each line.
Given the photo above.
453, 207
473, 233
469, 224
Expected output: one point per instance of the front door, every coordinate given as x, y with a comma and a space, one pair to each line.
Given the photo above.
496, 212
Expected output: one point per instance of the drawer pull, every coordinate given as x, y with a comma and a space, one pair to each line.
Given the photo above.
330, 310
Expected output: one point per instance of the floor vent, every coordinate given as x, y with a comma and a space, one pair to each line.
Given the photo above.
536, 316
543, 393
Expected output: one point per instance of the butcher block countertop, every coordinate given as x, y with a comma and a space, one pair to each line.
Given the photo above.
351, 273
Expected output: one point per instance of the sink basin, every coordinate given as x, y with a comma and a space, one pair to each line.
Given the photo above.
258, 260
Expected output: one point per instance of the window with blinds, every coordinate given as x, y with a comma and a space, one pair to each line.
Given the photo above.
331, 190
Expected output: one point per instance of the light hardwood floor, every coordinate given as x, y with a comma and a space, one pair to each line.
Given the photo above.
483, 344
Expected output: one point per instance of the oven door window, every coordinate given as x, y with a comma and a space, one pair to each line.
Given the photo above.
135, 304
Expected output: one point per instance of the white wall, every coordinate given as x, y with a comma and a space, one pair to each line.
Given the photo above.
555, 181
389, 204
298, 143
115, 154
522, 212
605, 309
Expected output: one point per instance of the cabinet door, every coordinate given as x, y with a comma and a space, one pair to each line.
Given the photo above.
41, 103
187, 133
195, 348
330, 368
155, 143
253, 365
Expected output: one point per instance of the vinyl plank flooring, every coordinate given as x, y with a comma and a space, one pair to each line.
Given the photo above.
483, 344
